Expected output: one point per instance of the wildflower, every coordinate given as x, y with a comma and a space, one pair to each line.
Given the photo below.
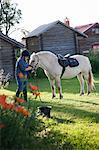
8, 106
36, 94
4, 79
20, 100
22, 110
4, 104
33, 88
2, 99
26, 112
19, 109
2, 125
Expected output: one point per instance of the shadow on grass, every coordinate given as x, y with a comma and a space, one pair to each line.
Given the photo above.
69, 109
61, 120
83, 114
87, 102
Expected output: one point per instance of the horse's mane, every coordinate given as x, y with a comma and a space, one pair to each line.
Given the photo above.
45, 52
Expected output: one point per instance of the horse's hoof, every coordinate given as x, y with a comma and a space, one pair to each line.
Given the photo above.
81, 94
61, 96
53, 96
88, 93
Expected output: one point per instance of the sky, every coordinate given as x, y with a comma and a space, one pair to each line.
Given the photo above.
39, 12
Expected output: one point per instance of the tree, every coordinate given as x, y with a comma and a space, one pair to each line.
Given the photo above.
9, 15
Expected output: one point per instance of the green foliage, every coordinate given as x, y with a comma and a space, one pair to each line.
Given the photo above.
39, 74
74, 122
9, 15
94, 59
17, 53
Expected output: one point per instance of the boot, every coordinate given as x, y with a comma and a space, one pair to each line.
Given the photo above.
25, 95
18, 93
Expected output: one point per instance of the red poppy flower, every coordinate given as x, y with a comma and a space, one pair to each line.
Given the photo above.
8, 106
26, 112
36, 94
4, 104
33, 88
2, 125
22, 110
2, 99
19, 109
20, 100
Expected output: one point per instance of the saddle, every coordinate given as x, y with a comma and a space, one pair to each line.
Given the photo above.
66, 61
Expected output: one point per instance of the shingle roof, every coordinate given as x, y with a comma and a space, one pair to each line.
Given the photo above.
11, 41
84, 28
43, 28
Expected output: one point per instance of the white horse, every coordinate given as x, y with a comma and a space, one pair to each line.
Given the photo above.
49, 63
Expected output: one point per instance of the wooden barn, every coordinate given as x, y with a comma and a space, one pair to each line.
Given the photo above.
56, 37
92, 31
8, 49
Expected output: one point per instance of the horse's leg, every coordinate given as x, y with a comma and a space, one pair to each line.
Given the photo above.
59, 87
81, 80
52, 83
87, 77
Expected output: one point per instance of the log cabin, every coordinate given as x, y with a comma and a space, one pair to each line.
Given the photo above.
8, 50
92, 42
57, 37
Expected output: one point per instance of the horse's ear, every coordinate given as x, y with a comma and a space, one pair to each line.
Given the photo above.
33, 53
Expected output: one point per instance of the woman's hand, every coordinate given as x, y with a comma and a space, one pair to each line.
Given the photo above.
29, 68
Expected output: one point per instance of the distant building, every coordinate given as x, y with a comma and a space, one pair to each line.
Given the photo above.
92, 42
56, 37
8, 49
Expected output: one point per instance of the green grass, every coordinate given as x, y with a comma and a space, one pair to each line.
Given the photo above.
74, 122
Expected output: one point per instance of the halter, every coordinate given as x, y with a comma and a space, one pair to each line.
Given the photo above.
34, 69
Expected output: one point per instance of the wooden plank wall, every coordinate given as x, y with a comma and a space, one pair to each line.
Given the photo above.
33, 44
59, 39
86, 44
7, 57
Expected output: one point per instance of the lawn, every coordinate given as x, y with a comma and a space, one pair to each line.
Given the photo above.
74, 122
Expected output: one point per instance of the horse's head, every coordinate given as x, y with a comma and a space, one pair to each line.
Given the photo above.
34, 61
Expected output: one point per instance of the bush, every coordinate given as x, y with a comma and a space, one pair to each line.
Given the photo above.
40, 73
94, 59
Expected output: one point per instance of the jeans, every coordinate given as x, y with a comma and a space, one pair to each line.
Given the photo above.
22, 87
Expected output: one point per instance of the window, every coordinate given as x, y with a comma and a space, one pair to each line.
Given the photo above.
95, 30
96, 47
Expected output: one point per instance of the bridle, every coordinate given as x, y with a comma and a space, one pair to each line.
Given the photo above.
34, 67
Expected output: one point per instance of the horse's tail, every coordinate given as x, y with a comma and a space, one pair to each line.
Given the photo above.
91, 80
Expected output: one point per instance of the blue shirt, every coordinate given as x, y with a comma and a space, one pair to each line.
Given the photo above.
21, 65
